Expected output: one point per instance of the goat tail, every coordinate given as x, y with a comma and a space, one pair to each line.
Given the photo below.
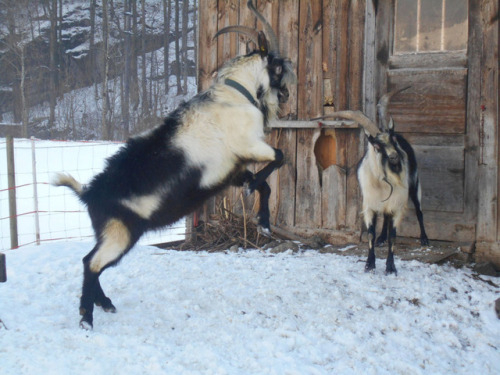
63, 179
392, 188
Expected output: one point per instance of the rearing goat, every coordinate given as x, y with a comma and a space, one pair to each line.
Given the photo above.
387, 176
201, 148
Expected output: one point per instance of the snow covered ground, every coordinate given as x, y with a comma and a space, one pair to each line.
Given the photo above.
245, 313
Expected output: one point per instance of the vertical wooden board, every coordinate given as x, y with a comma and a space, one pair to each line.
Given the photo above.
334, 185
356, 44
488, 206
308, 192
342, 53
207, 56
227, 16
288, 35
310, 78
282, 182
245, 18
353, 198
333, 194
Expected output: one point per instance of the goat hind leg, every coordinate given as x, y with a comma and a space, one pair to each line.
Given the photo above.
114, 241
414, 195
103, 301
390, 267
371, 224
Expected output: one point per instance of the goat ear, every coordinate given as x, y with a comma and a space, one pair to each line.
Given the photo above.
263, 44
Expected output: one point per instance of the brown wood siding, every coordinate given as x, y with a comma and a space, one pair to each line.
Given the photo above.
315, 35
450, 114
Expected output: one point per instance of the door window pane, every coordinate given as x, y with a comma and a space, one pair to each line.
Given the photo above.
430, 26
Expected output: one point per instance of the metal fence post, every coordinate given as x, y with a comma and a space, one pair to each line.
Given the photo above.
35, 191
3, 268
11, 173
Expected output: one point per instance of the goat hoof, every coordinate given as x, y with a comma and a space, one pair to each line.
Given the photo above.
85, 325
369, 267
391, 269
424, 241
247, 189
106, 305
264, 231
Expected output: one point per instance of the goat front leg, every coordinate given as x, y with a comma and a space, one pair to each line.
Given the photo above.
371, 223
247, 178
389, 265
260, 177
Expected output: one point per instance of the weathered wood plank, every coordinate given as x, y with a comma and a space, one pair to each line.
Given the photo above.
207, 47
282, 182
227, 15
436, 102
310, 83
333, 202
356, 43
315, 124
489, 126
441, 171
308, 193
289, 43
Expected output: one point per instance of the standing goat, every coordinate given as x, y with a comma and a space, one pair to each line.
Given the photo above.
202, 147
387, 176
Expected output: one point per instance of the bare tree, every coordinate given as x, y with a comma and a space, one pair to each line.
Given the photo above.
105, 98
184, 54
167, 13
127, 15
177, 49
52, 63
145, 104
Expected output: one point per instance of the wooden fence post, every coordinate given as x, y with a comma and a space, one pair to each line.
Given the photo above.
12, 192
3, 268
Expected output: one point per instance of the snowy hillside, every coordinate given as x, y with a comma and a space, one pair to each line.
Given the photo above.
245, 313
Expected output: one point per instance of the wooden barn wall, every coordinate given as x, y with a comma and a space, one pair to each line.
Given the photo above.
325, 41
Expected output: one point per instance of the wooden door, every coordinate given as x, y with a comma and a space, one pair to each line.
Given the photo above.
429, 45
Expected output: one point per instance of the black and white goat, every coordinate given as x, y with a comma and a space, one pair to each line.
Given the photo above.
387, 176
202, 147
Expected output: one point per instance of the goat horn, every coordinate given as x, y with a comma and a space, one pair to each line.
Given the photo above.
251, 33
358, 116
383, 103
273, 39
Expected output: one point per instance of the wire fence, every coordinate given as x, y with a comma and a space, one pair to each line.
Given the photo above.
47, 213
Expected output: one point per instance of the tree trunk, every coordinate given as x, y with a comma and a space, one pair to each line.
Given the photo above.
105, 35
167, 12
92, 54
52, 63
126, 75
145, 104
184, 63
177, 49
24, 105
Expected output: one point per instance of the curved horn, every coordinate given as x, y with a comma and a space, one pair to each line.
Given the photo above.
358, 116
382, 105
273, 40
251, 33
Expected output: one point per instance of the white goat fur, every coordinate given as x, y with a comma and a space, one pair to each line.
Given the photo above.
377, 197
